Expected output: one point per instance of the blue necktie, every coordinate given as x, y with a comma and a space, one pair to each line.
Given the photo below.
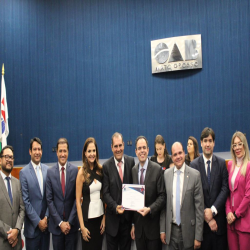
9, 189
39, 179
178, 203
208, 172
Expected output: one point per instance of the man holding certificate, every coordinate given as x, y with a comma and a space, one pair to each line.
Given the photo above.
117, 171
146, 228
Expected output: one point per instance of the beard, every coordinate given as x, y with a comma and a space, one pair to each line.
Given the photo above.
7, 170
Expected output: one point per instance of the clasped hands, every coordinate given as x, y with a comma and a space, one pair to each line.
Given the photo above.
230, 218
12, 237
43, 224
65, 227
208, 216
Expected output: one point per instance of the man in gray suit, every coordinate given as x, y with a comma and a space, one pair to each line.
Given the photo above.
11, 203
181, 223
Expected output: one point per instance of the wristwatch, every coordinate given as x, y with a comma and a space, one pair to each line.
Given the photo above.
213, 214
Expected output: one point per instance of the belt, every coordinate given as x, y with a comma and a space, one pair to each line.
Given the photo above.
176, 225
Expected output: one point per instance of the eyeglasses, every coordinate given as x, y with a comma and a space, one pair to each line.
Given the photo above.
240, 145
8, 157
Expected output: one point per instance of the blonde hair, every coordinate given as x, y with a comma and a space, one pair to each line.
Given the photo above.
246, 159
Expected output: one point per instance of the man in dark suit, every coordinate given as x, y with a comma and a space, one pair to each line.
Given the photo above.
182, 220
33, 182
12, 209
146, 228
116, 171
214, 178
60, 193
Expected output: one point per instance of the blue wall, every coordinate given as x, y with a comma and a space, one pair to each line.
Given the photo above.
80, 68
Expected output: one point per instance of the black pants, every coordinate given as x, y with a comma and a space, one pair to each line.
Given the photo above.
144, 243
212, 241
122, 239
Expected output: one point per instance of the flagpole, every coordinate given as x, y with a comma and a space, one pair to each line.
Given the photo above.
0, 114
4, 112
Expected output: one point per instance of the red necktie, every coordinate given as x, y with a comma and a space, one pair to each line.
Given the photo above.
63, 181
120, 170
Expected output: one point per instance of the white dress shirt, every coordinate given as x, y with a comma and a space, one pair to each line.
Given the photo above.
116, 164
60, 172
6, 183
39, 172
182, 169
213, 208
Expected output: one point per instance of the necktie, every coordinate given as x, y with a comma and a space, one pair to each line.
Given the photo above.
208, 172
178, 203
39, 179
63, 181
142, 176
120, 170
9, 189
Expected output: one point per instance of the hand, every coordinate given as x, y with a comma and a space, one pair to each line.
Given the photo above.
65, 227
163, 238
208, 215
68, 225
85, 234
15, 242
120, 209
43, 224
102, 227
197, 244
144, 211
230, 218
132, 232
213, 225
12, 235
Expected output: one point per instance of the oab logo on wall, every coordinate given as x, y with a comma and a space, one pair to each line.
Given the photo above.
176, 53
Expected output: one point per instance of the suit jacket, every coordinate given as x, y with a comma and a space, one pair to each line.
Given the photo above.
35, 202
154, 198
11, 216
241, 195
192, 207
215, 194
59, 204
112, 192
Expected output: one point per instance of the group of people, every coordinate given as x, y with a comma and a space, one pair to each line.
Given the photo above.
191, 201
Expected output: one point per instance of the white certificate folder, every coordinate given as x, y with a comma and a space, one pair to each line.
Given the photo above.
133, 196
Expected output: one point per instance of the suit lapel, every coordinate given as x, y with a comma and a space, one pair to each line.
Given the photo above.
4, 190
33, 174
44, 178
237, 179
213, 171
57, 176
148, 172
125, 174
169, 181
15, 191
67, 177
135, 173
185, 184
203, 171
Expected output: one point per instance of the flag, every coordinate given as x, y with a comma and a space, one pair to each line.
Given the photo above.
4, 113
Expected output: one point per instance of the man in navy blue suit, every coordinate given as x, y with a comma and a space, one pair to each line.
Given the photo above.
214, 178
33, 179
61, 199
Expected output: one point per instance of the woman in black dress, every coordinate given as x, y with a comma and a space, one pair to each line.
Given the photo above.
89, 185
161, 155
192, 149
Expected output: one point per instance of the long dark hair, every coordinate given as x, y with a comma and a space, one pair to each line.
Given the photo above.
85, 164
196, 148
160, 140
